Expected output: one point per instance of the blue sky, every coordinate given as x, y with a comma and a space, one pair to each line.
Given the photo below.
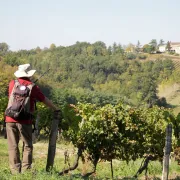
26, 24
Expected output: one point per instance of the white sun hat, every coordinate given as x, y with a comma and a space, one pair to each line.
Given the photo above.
24, 70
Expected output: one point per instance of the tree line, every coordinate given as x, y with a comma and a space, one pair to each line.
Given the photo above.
92, 73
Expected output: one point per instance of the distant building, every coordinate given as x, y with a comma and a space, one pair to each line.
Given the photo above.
175, 47
162, 48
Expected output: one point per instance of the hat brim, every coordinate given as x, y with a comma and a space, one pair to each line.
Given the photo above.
19, 74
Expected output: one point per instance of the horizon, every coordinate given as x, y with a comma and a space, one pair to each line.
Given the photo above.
27, 25
47, 47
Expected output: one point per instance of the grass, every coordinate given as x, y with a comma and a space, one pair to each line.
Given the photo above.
121, 169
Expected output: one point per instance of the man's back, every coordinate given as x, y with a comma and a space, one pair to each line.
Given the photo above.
36, 94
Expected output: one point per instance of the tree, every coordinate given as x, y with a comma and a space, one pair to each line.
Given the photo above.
138, 46
100, 48
114, 48
13, 60
161, 42
153, 44
38, 49
168, 46
90, 51
100, 43
120, 50
109, 50
130, 48
52, 46
6, 75
4, 48
148, 48
131, 56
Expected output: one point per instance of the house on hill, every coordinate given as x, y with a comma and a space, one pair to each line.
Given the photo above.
162, 48
174, 47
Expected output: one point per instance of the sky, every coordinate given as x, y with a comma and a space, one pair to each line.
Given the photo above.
27, 24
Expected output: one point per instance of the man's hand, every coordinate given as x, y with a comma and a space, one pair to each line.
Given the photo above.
58, 114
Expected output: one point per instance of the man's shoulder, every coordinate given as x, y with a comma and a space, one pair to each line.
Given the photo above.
24, 81
37, 93
12, 82
36, 88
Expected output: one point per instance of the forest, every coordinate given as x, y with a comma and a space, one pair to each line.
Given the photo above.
92, 73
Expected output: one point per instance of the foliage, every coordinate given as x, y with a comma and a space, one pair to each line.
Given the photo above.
153, 45
4, 48
161, 42
130, 56
95, 68
3, 105
168, 46
142, 56
113, 131
44, 116
148, 48
119, 131
72, 96
6, 75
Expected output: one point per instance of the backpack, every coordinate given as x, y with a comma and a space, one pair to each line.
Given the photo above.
19, 102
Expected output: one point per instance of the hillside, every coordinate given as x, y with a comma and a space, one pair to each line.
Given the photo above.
171, 91
172, 95
94, 73
175, 59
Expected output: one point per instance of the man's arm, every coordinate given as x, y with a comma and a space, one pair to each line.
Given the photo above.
48, 103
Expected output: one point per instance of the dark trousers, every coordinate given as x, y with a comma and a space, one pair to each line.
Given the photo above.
15, 132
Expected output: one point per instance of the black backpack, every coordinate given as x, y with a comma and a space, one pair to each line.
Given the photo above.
19, 102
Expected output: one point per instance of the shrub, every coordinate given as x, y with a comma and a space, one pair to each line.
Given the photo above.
142, 56
131, 56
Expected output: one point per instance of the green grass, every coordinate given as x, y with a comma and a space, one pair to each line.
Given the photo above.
121, 170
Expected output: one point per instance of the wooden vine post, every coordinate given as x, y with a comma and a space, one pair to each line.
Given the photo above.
167, 151
52, 141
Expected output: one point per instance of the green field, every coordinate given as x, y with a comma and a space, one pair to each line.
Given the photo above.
121, 170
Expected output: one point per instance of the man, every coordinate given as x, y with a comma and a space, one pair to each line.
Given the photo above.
17, 129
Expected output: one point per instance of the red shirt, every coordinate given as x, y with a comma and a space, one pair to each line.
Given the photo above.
36, 94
